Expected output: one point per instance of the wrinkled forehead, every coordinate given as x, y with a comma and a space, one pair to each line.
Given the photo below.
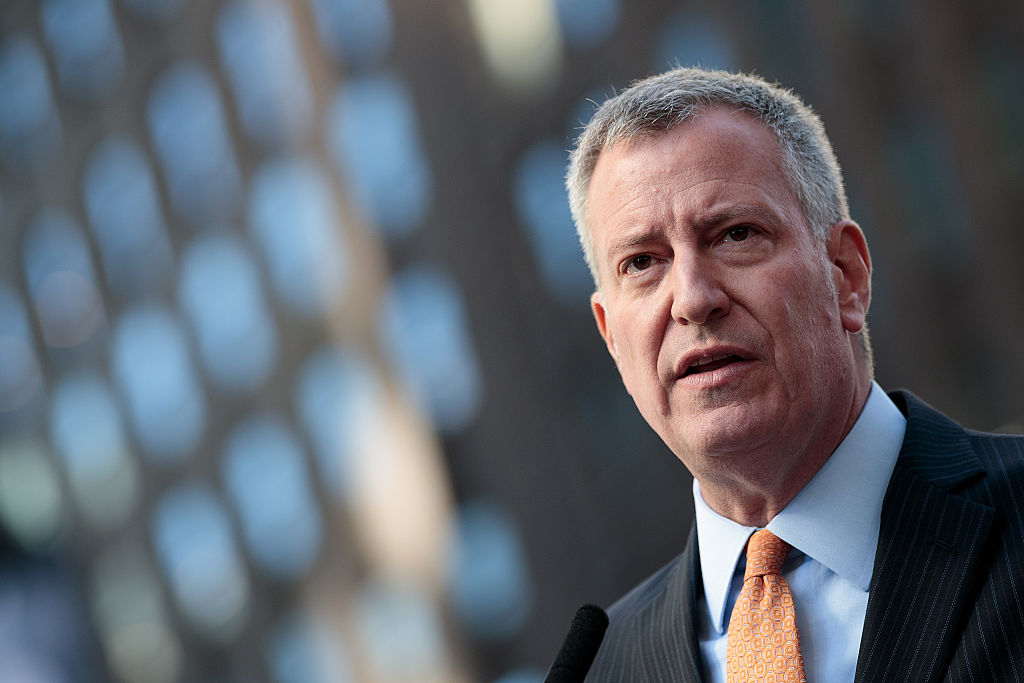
745, 134
637, 129
721, 143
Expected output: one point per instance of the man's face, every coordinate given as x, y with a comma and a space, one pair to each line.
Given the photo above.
726, 317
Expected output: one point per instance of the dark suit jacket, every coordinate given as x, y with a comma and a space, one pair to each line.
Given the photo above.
946, 601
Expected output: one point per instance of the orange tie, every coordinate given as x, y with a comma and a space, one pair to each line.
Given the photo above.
763, 642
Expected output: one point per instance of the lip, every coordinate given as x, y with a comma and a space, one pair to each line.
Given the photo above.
717, 376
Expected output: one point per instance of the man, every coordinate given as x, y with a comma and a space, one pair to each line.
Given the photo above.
732, 290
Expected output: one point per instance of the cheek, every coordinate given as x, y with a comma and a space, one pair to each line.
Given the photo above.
816, 331
638, 346
804, 320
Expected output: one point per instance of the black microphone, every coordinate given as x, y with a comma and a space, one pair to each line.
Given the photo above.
580, 646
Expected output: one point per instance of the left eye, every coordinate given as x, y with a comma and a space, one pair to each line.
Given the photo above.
737, 233
638, 263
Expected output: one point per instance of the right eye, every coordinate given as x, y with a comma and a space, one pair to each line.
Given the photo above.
638, 263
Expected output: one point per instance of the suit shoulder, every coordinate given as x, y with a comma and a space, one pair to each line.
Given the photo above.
1003, 448
629, 637
1002, 456
643, 595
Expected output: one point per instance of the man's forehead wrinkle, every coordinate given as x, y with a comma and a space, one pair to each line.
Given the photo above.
633, 203
713, 210
636, 239
705, 218
712, 216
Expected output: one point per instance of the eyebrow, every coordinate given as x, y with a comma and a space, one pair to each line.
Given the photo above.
702, 222
713, 218
634, 240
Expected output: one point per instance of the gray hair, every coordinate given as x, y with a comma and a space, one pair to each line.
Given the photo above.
659, 103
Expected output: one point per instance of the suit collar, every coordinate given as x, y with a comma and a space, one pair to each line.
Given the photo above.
935, 448
846, 494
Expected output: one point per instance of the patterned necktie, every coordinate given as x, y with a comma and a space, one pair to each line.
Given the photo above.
763, 641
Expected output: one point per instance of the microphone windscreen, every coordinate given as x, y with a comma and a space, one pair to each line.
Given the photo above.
580, 646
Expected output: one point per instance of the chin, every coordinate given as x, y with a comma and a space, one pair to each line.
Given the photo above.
726, 431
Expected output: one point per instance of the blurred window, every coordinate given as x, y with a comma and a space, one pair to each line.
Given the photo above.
123, 205
265, 476
937, 218
293, 218
372, 134
337, 394
219, 292
59, 274
86, 46
196, 549
690, 39
586, 23
132, 620
156, 10
424, 330
151, 362
781, 42
87, 432
401, 630
257, 47
20, 376
1004, 103
30, 498
356, 33
489, 582
525, 675
42, 629
30, 131
189, 132
301, 650
543, 206
521, 42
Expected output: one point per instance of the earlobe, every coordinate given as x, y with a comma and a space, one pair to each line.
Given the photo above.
851, 269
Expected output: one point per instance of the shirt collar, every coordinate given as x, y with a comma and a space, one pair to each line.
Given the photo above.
834, 519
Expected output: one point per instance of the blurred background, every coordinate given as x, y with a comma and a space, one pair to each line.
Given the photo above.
298, 377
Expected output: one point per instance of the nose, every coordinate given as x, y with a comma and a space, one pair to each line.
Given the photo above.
697, 293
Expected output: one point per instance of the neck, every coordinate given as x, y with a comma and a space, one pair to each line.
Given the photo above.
742, 489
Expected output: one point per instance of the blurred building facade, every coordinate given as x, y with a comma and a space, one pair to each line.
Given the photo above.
298, 378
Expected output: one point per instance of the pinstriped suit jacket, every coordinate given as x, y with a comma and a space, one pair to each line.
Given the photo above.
946, 601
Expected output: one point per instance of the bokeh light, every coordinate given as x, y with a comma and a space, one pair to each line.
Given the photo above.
86, 45
220, 294
265, 476
197, 552
30, 129
123, 205
154, 370
188, 127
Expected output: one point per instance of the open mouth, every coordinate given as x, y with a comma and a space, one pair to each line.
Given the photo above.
709, 363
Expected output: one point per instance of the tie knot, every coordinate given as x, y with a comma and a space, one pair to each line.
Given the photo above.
765, 554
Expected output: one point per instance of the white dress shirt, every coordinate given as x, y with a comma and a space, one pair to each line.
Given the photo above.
832, 525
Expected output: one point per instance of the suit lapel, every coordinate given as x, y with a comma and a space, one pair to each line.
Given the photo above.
670, 651
691, 667
928, 549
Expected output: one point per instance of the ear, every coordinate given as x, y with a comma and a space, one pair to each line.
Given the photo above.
601, 318
851, 269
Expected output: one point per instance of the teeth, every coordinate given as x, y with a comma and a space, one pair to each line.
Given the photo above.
709, 359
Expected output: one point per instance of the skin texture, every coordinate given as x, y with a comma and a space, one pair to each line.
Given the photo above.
702, 250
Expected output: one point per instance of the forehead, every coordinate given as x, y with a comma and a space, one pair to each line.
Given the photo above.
727, 141
710, 166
